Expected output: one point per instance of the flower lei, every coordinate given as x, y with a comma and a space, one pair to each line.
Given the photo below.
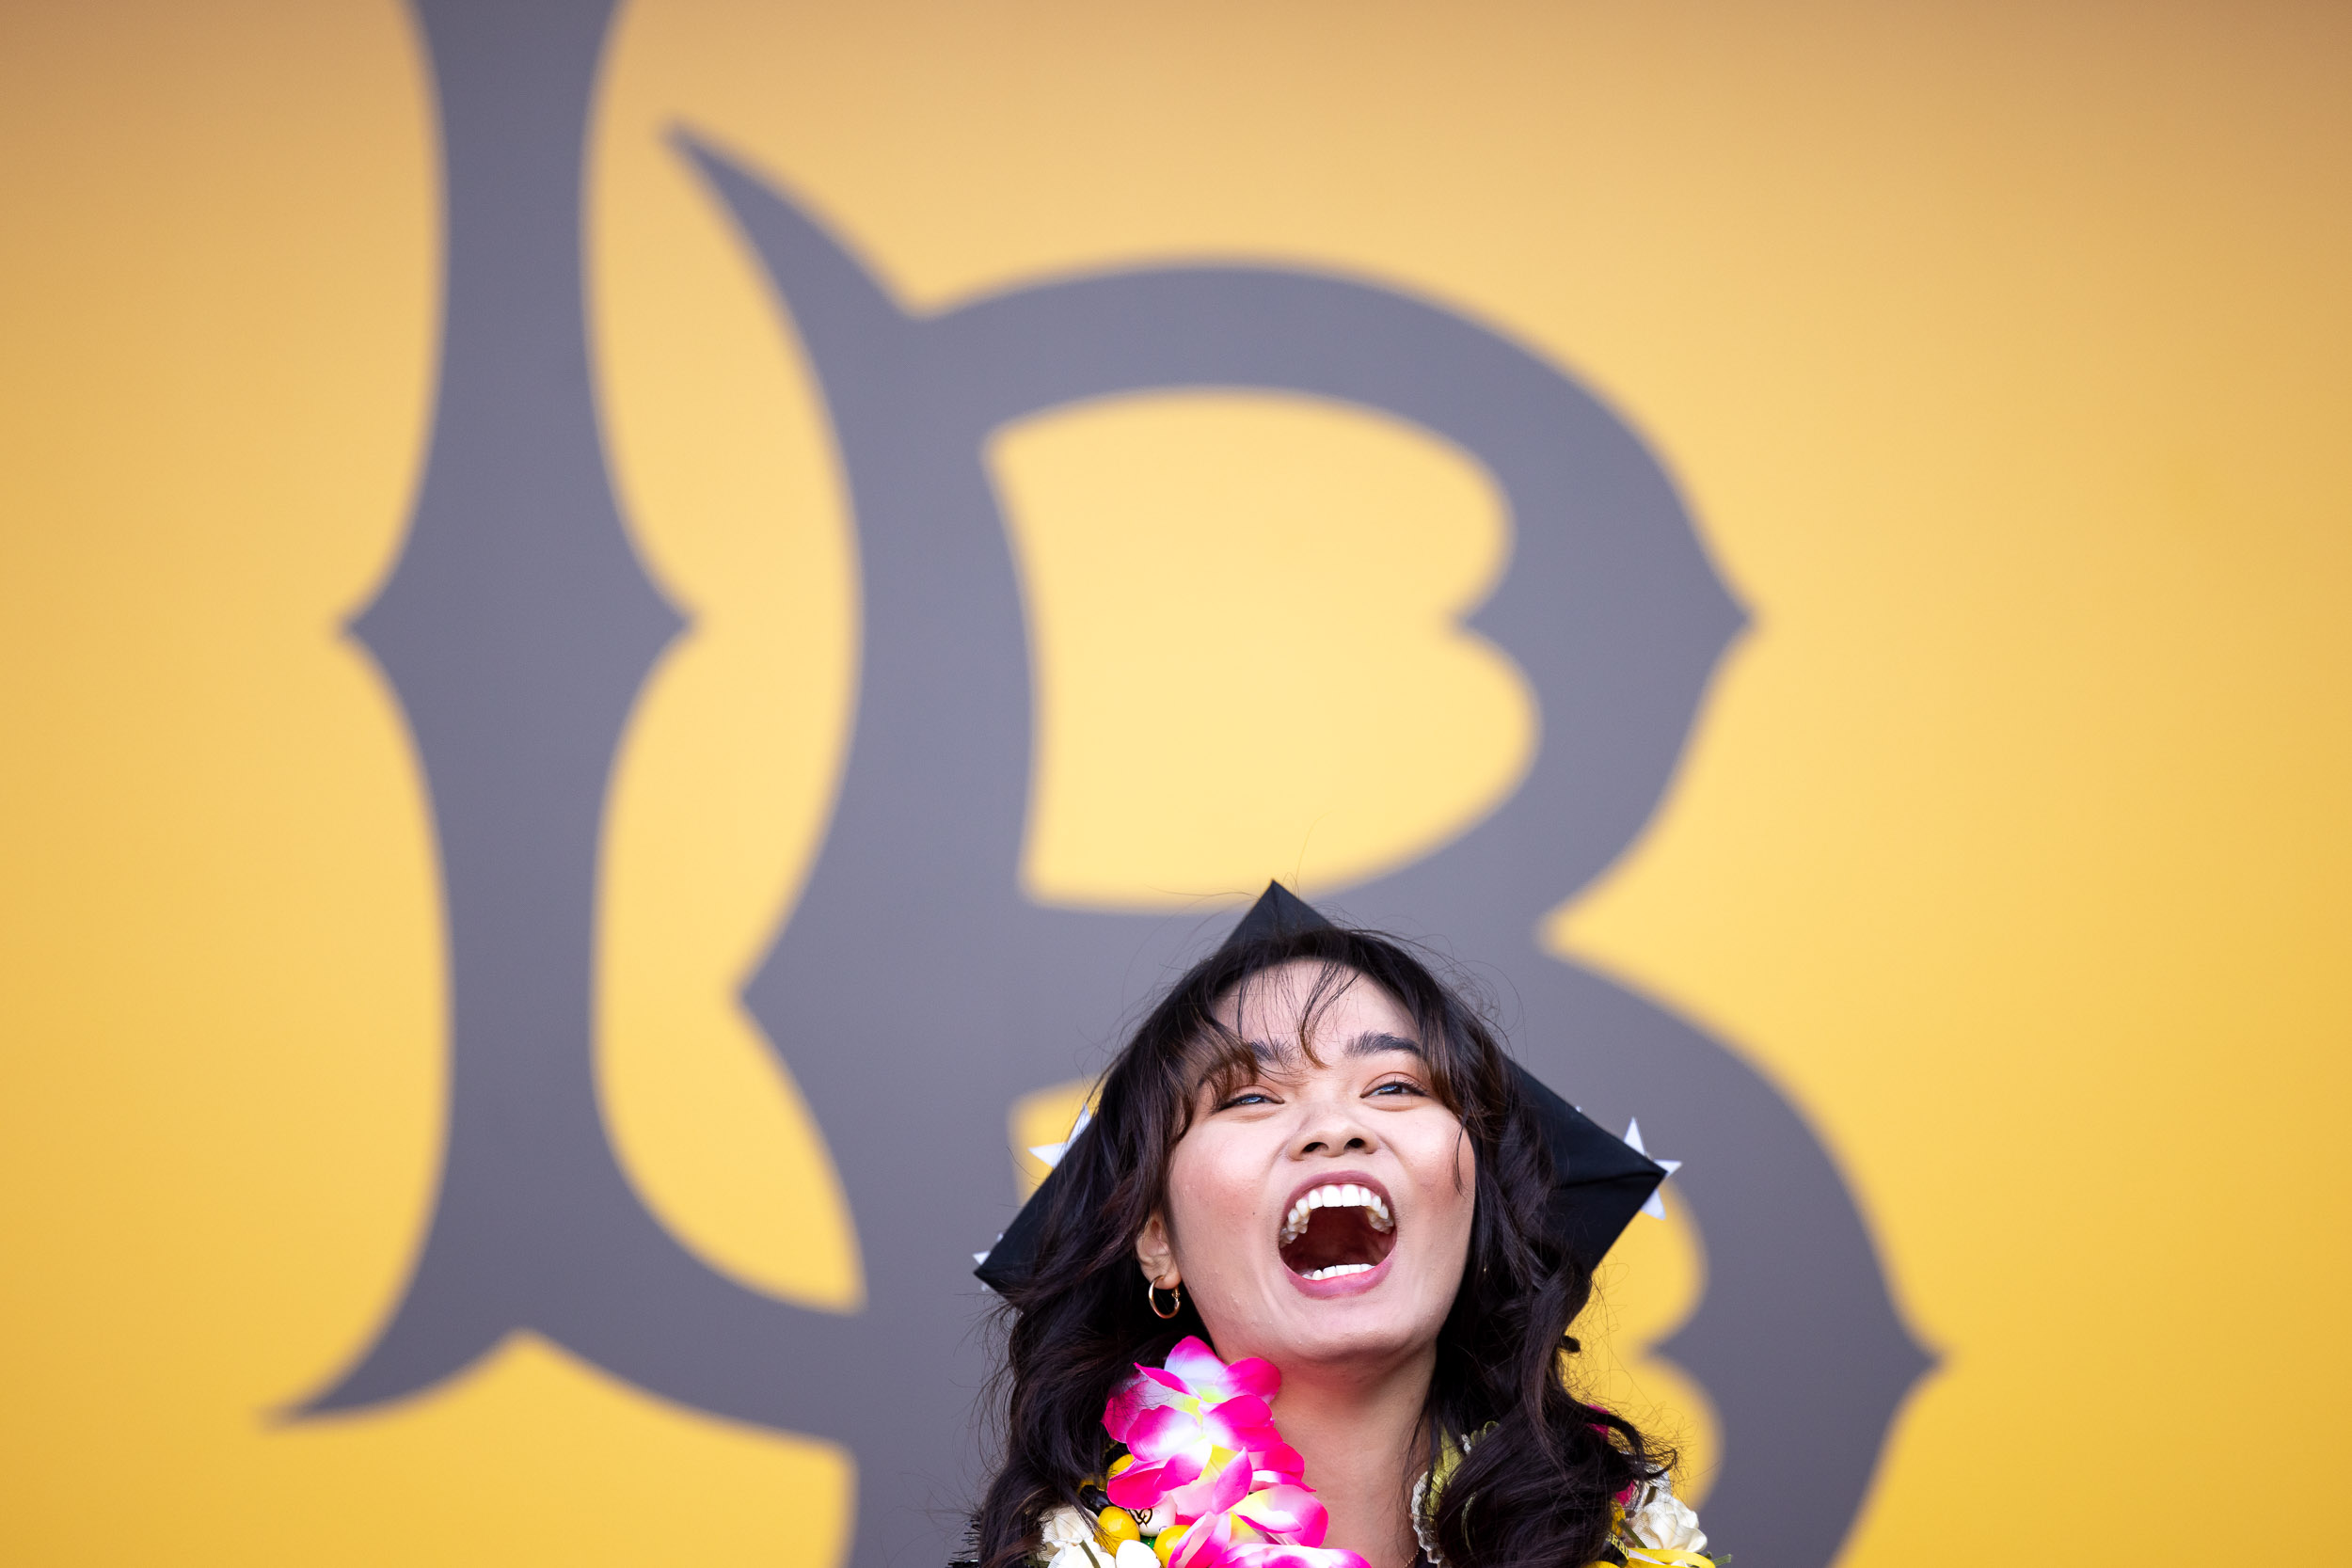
1648, 1525
1208, 1482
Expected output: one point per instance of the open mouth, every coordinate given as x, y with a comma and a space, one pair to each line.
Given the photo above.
1338, 1229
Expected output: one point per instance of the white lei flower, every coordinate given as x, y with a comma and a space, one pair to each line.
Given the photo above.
1068, 1540
1067, 1527
1663, 1521
1657, 1521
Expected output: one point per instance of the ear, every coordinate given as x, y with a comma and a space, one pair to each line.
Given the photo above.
1158, 1254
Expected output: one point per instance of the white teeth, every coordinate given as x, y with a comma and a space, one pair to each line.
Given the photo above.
1338, 1269
1336, 1196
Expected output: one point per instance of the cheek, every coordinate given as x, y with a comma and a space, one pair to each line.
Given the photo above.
1448, 1186
1212, 1199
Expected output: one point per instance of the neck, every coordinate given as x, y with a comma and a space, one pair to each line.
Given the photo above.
1359, 1430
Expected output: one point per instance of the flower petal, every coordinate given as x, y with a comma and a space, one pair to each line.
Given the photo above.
1197, 1365
1232, 1485
1164, 1430
1141, 1487
1065, 1526
1666, 1523
1242, 1423
1276, 1554
1194, 1500
1131, 1398
1205, 1545
1282, 1459
1254, 1374
1290, 1513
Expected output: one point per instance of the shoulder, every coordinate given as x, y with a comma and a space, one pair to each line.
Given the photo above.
1651, 1527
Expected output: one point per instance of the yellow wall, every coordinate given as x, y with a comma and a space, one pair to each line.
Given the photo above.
2001, 351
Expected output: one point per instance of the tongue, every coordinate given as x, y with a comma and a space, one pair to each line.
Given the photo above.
1337, 1236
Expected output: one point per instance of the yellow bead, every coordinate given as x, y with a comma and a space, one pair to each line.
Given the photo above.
1121, 1463
1115, 1524
1167, 1540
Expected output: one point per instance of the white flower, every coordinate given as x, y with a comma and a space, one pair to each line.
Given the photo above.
1067, 1527
1663, 1521
1069, 1540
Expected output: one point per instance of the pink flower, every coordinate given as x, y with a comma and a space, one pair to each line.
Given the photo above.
1279, 1555
1199, 1461
1193, 1368
1225, 1540
1286, 1513
1187, 1423
1206, 1456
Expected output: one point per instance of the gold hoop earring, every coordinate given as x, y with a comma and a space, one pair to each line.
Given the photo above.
1151, 1294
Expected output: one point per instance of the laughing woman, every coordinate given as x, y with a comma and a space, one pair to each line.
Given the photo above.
1297, 1296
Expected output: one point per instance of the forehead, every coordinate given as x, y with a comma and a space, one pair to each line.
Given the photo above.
1314, 1003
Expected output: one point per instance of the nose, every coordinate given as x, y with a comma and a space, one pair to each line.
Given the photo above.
1330, 1129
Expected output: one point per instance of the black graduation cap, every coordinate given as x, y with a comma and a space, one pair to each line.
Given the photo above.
1600, 1182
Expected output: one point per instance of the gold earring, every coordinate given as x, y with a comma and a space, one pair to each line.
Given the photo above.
1151, 1294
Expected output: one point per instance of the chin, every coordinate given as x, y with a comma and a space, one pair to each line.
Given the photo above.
1370, 1340
1378, 1323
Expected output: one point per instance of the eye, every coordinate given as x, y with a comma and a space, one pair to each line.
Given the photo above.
1396, 1087
1248, 1096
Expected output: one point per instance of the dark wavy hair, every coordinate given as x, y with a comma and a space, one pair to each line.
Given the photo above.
1534, 1491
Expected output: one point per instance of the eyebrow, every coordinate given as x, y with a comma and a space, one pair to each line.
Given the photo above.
1373, 1043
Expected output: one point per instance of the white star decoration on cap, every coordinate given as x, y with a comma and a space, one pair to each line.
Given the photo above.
1655, 1207
1051, 1154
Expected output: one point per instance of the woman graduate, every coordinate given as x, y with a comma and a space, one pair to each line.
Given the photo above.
1297, 1296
